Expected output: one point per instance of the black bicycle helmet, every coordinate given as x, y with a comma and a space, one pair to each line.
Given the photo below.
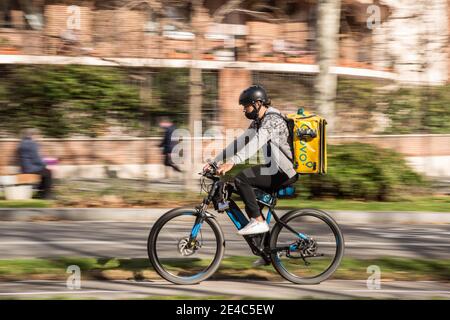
252, 94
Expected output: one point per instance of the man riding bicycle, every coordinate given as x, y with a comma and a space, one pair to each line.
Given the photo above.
182, 237
269, 132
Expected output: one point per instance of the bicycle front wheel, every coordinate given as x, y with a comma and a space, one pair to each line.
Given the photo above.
174, 258
310, 249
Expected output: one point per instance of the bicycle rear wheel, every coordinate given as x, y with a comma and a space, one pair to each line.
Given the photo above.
313, 252
171, 255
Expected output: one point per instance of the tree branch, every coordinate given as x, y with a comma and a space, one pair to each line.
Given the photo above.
225, 9
156, 7
258, 14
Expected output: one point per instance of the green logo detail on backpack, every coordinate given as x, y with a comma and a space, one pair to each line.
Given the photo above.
304, 155
303, 150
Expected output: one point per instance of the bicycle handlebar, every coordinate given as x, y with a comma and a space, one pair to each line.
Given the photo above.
212, 173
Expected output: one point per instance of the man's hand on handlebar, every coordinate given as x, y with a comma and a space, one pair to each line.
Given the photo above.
225, 167
218, 169
207, 168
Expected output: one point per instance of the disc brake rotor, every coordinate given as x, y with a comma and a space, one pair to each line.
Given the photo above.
185, 249
311, 248
303, 249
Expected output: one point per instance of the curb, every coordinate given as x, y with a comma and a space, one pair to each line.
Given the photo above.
80, 214
398, 217
139, 214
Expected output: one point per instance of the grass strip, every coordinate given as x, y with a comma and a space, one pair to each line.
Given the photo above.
235, 267
163, 200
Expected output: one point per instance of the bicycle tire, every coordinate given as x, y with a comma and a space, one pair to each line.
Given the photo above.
153, 256
339, 250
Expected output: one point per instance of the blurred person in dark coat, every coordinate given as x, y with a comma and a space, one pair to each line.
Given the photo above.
31, 162
167, 144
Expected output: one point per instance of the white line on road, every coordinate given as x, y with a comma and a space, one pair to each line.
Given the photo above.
59, 242
395, 291
61, 292
382, 244
128, 291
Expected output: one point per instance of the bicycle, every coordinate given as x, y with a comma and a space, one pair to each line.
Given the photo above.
198, 242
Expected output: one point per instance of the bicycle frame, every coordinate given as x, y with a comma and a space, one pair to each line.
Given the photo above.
272, 248
258, 243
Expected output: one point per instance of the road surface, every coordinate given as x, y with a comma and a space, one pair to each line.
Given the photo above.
332, 289
128, 240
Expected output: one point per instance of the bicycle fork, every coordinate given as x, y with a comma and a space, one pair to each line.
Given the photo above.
199, 220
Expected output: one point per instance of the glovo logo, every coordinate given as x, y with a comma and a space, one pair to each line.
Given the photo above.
303, 157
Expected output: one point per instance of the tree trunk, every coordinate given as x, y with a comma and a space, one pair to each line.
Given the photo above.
145, 92
195, 100
328, 22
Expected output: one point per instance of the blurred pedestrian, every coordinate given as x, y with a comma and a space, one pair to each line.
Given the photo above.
167, 144
32, 163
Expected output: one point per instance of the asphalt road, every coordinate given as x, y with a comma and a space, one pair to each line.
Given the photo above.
128, 240
332, 289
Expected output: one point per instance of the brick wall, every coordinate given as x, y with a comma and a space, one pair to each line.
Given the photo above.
130, 32
17, 19
84, 152
56, 25
260, 39
296, 32
231, 84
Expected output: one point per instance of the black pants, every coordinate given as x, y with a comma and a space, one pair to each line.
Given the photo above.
169, 163
46, 183
252, 177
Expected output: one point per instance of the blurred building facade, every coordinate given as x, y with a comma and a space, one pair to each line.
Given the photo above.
389, 40
402, 39
405, 33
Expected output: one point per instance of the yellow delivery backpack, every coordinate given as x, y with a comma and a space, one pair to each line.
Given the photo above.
308, 142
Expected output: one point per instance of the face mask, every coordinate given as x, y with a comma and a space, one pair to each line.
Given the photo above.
252, 115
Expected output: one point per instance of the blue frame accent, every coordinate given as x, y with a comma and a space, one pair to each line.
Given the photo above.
236, 223
269, 215
237, 217
195, 230
301, 235
240, 221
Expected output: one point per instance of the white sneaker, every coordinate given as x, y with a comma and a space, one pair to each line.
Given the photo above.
254, 227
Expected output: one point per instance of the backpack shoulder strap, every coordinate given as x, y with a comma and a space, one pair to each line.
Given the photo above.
277, 114
290, 129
